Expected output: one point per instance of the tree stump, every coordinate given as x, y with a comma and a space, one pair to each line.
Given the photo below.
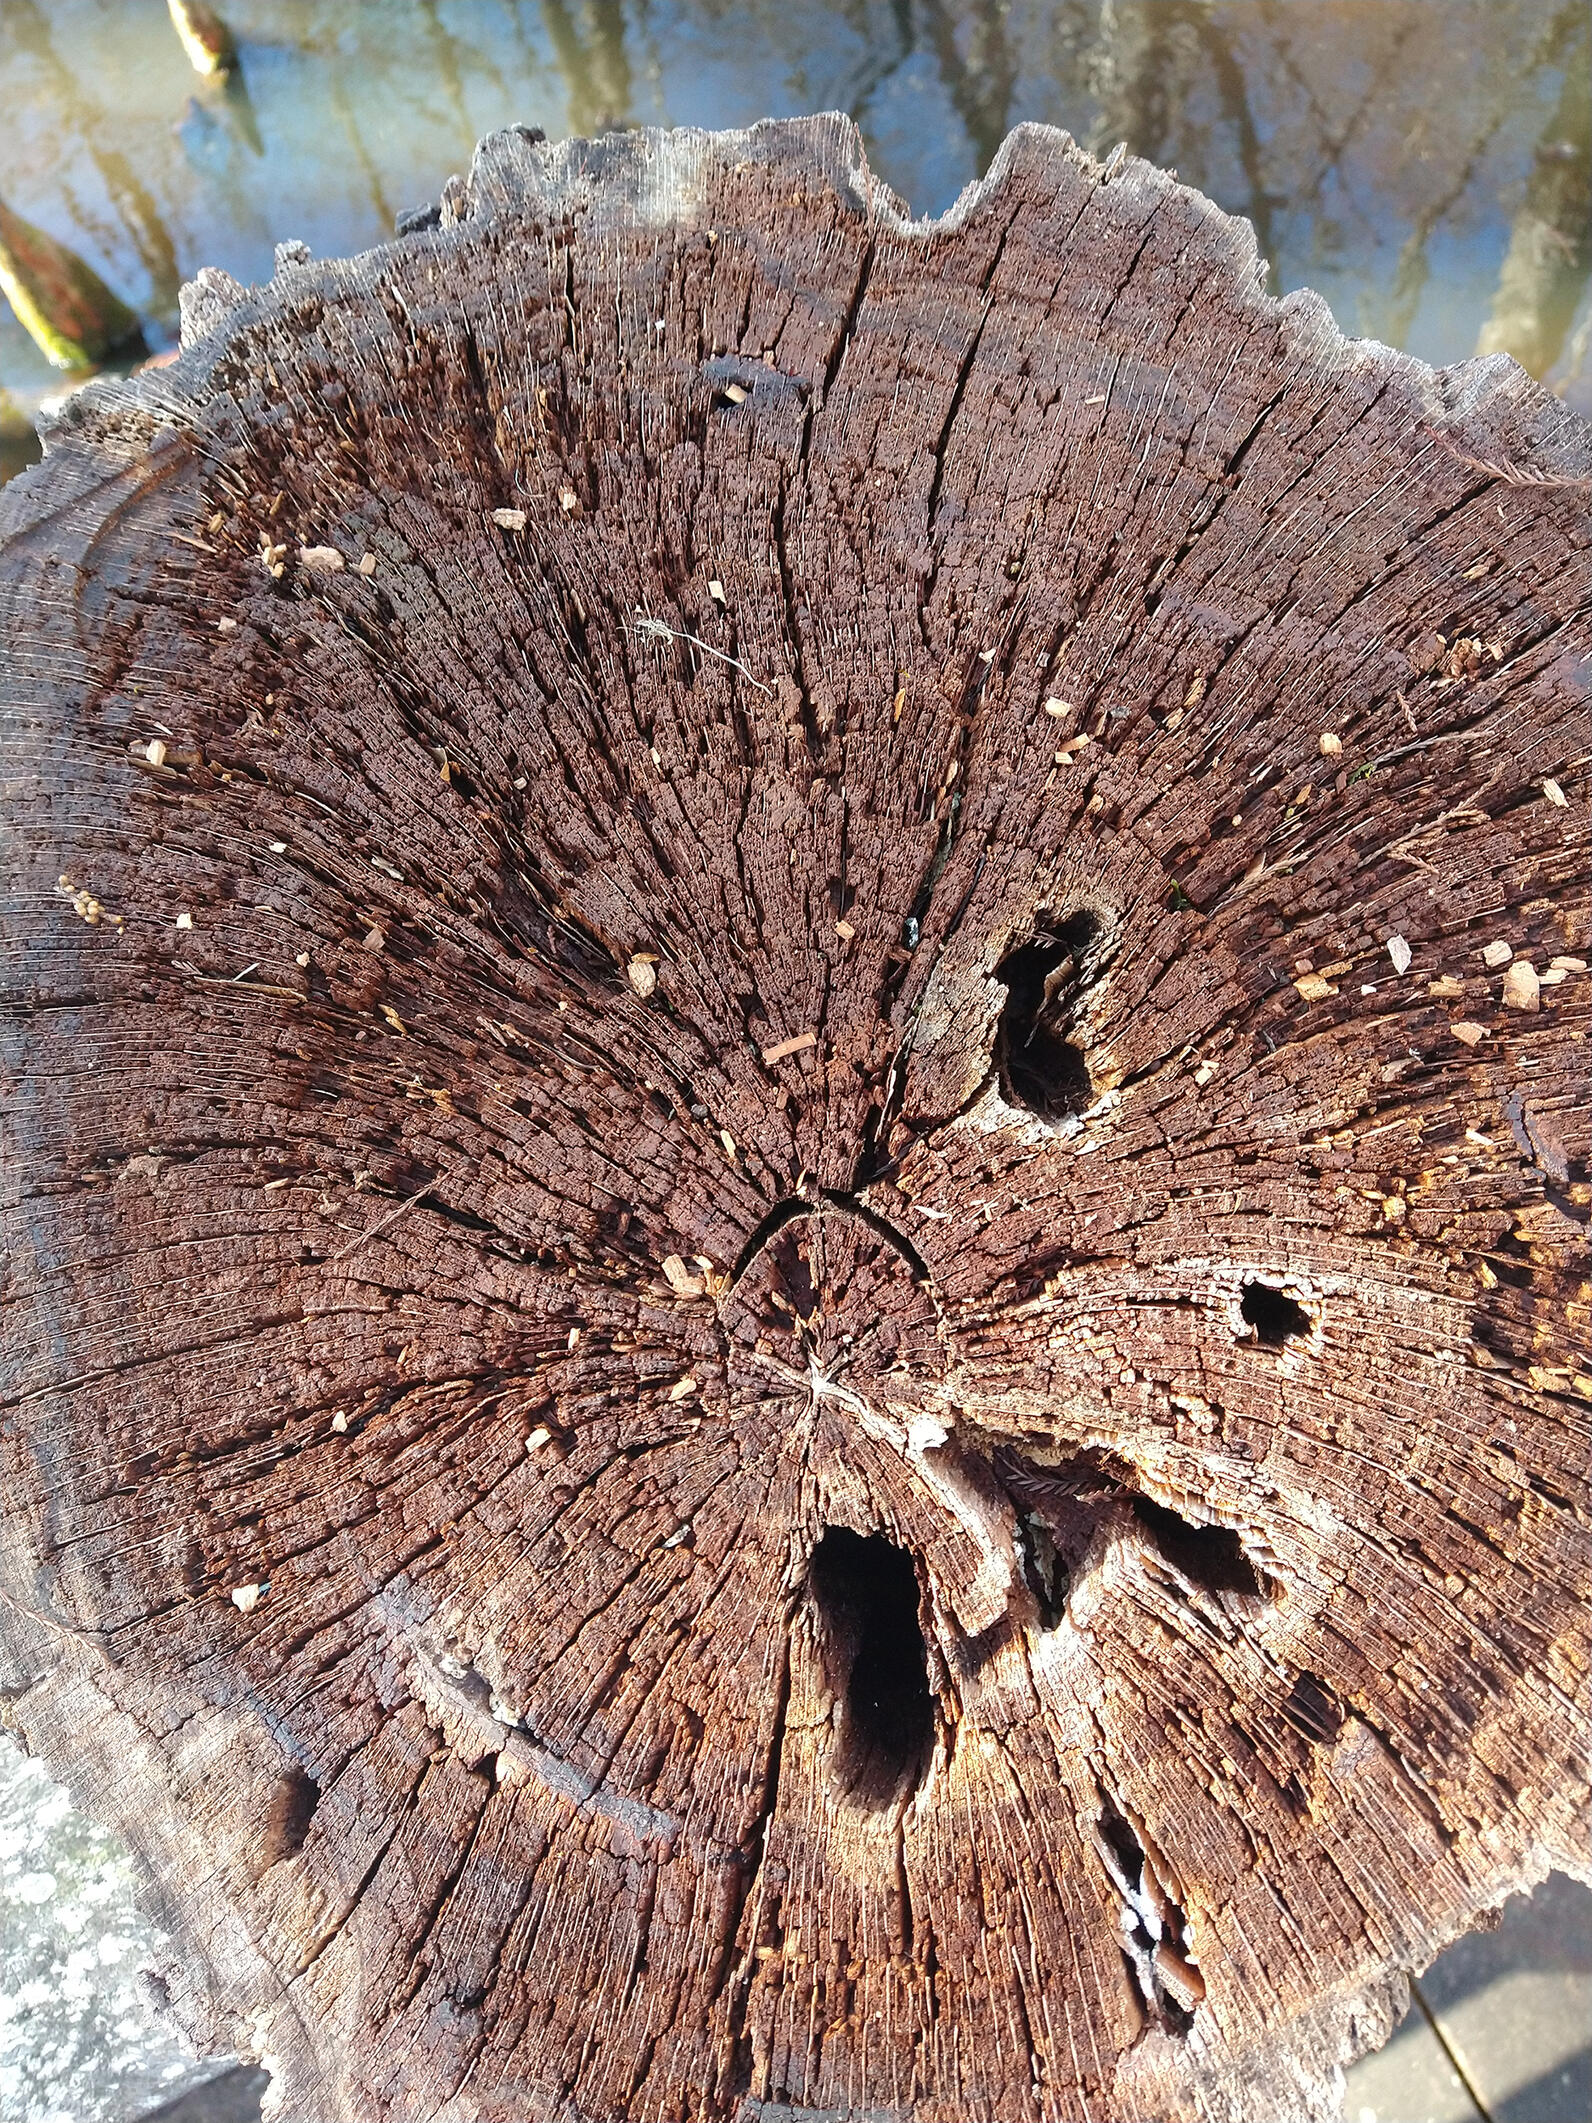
797, 1169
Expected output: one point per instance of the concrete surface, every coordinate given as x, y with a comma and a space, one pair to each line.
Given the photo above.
1500, 2030
81, 2040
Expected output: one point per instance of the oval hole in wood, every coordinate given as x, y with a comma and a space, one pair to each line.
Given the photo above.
1041, 1069
866, 1592
287, 1821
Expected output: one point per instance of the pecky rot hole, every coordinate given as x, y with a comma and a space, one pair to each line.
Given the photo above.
1274, 1316
1058, 1508
1042, 1067
1153, 1931
288, 1816
865, 1590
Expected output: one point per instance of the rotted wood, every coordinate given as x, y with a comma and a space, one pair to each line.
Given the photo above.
797, 1308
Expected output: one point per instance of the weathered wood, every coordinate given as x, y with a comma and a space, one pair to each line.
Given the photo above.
797, 1310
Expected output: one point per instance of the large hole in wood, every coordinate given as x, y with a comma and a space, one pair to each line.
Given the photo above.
1274, 1315
1058, 1509
1041, 1068
866, 1592
1210, 1557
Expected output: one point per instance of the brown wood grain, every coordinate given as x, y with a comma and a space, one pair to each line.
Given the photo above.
794, 1326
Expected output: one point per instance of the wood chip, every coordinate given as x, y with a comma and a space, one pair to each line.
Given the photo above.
185, 920
1181, 1978
1521, 986
1329, 744
1314, 988
1446, 988
537, 1438
226, 626
1399, 951
367, 564
1060, 707
1555, 794
247, 1597
1568, 965
844, 931
1497, 953
735, 393
568, 500
506, 520
323, 559
375, 940
683, 1388
785, 1047
680, 1278
716, 591
643, 974
1471, 1034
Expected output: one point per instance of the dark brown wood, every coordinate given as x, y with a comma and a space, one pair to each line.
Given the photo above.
797, 1310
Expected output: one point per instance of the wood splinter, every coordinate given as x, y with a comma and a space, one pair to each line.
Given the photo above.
1026, 1567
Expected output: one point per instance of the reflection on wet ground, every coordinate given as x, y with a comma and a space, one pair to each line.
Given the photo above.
1426, 164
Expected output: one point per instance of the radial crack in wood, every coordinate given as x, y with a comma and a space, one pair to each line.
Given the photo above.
796, 1191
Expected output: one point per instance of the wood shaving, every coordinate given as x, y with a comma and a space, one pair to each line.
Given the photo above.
1521, 986
785, 1047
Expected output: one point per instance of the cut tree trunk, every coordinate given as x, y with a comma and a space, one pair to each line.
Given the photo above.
797, 1173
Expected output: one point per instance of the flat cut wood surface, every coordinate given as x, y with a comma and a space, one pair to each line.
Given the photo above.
796, 1188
